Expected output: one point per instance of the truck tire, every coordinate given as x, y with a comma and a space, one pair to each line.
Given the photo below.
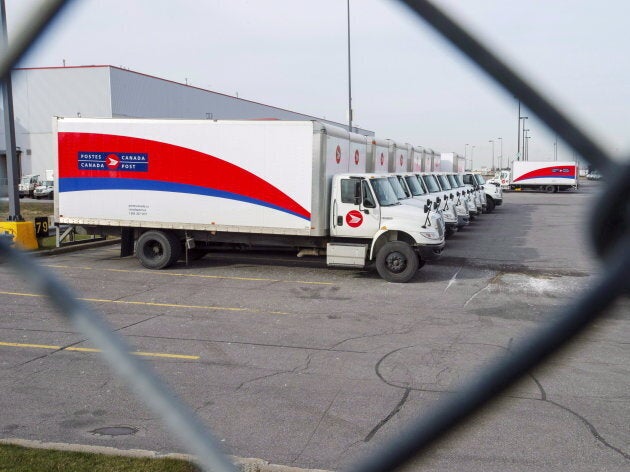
490, 205
158, 249
550, 188
397, 262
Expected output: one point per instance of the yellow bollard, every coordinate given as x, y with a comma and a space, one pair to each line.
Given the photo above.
23, 233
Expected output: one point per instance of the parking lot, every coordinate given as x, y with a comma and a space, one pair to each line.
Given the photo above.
301, 365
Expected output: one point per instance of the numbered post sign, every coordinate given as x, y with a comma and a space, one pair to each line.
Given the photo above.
41, 226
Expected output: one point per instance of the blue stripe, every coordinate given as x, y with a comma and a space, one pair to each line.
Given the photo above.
554, 176
96, 183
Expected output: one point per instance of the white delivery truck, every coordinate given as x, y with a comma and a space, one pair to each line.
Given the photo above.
452, 162
26, 187
444, 201
174, 187
547, 176
491, 189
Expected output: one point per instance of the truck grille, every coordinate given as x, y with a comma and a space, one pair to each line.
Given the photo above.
439, 224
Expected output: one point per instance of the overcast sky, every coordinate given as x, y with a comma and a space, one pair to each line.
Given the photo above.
407, 84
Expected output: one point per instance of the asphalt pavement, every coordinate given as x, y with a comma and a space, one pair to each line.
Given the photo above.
297, 364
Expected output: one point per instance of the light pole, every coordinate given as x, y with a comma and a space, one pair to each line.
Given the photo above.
525, 149
523, 118
13, 169
492, 141
472, 151
349, 76
518, 135
465, 154
501, 155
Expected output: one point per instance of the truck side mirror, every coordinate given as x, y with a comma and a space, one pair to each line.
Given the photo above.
426, 208
436, 205
357, 192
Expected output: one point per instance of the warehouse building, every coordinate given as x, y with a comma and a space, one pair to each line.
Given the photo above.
39, 94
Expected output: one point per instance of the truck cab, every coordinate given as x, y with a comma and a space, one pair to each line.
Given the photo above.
444, 201
369, 223
27, 185
459, 200
493, 190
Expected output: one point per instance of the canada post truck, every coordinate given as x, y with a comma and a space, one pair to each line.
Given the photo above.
179, 188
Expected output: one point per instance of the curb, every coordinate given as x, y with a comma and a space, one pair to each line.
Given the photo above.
244, 464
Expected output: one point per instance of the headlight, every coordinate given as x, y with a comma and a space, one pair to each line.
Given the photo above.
430, 234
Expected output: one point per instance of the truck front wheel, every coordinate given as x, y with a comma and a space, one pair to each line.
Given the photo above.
158, 249
397, 262
489, 205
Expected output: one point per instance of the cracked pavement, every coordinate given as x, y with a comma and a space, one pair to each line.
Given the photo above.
313, 367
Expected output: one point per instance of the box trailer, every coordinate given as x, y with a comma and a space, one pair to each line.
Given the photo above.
399, 157
378, 156
452, 162
173, 188
547, 176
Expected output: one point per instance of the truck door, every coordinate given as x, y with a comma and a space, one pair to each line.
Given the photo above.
355, 211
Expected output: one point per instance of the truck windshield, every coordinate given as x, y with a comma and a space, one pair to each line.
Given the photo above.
460, 180
444, 182
480, 179
431, 183
384, 192
404, 185
400, 192
414, 185
451, 180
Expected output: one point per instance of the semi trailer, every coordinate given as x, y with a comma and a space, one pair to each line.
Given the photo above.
546, 176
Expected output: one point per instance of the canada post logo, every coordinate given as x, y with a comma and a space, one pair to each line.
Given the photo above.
116, 161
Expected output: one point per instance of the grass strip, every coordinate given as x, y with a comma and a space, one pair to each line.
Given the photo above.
22, 459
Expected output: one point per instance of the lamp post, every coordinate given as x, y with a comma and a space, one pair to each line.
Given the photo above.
349, 76
492, 141
501, 155
518, 135
465, 154
525, 137
523, 146
13, 169
472, 150
527, 147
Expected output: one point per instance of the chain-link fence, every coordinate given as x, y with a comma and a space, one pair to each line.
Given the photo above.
610, 238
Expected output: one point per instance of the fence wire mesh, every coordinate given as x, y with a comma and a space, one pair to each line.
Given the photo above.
610, 237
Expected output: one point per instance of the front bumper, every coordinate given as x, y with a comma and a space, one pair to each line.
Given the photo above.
462, 221
431, 252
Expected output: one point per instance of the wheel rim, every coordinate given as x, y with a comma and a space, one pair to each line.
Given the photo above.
396, 262
153, 250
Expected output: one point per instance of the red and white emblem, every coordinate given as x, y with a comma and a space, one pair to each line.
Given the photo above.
382, 158
356, 157
354, 218
112, 161
401, 160
338, 154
